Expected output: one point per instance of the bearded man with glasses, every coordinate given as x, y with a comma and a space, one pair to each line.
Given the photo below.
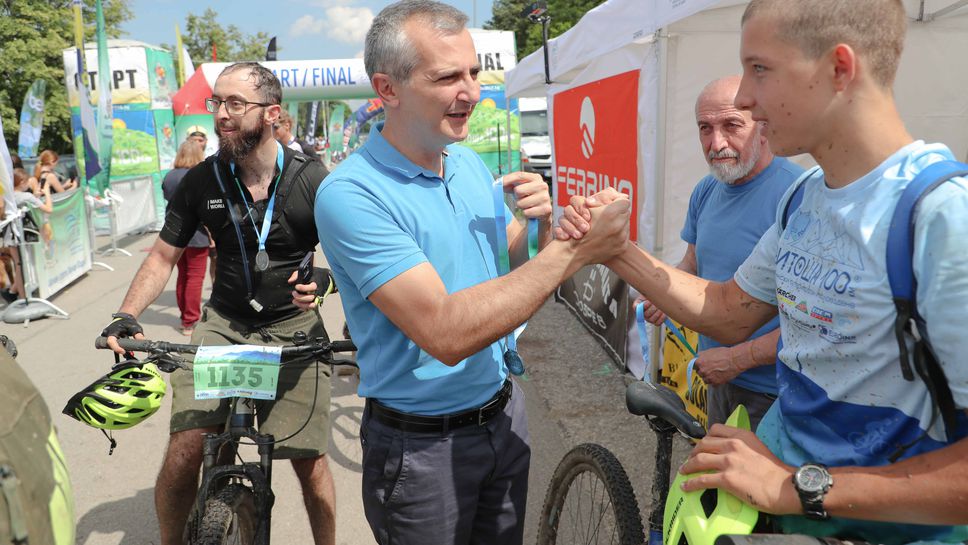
256, 199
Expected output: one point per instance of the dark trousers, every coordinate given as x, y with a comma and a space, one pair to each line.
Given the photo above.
188, 285
466, 486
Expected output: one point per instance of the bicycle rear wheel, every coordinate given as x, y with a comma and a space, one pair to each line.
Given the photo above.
590, 501
229, 518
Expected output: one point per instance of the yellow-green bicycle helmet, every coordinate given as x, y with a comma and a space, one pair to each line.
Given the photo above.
698, 518
126, 396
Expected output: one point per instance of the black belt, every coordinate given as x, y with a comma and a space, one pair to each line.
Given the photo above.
445, 422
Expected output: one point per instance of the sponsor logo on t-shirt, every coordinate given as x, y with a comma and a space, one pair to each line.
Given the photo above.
786, 297
822, 315
802, 307
215, 204
836, 337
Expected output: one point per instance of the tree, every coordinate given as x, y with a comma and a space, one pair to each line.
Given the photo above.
507, 15
231, 44
33, 34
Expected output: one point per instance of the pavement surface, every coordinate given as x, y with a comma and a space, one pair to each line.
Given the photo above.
575, 395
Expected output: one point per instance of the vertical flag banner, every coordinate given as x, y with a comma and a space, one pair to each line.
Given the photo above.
336, 128
271, 50
105, 125
88, 155
179, 62
311, 121
6, 176
31, 120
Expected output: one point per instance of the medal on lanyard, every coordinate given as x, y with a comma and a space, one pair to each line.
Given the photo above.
511, 357
262, 257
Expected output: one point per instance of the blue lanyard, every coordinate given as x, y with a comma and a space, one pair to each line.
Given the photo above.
511, 357
267, 220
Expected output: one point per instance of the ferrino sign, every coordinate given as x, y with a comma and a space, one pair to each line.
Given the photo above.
596, 139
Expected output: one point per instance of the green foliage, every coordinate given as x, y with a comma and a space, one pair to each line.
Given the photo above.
231, 44
506, 15
33, 35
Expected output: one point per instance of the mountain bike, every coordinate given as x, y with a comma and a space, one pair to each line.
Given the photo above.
591, 501
234, 501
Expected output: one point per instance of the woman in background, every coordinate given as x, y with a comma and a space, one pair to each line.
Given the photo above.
191, 265
46, 175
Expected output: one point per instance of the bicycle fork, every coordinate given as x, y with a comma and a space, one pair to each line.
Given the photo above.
216, 475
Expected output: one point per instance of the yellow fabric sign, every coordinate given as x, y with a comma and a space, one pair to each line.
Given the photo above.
675, 362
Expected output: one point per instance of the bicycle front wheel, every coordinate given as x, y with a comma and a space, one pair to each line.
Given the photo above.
590, 501
229, 518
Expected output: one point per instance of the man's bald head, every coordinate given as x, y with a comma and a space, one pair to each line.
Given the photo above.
732, 142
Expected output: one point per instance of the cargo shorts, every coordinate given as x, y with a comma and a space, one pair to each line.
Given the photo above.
299, 382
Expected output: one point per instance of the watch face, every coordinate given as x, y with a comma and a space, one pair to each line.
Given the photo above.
811, 479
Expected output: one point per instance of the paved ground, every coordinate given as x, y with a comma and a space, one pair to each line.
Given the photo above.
575, 395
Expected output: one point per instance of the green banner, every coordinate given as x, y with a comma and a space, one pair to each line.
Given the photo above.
64, 251
490, 135
336, 128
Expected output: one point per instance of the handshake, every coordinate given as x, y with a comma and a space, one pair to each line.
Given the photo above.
597, 226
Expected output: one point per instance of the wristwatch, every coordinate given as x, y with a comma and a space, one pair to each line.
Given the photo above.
812, 481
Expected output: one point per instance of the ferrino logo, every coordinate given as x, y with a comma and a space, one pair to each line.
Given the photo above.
587, 121
588, 160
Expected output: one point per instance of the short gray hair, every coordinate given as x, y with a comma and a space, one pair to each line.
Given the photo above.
389, 51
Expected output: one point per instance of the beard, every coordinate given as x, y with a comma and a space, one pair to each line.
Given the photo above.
730, 173
236, 146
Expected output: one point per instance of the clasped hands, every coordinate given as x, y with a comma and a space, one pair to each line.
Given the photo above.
598, 225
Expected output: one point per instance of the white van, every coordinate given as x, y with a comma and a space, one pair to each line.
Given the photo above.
535, 144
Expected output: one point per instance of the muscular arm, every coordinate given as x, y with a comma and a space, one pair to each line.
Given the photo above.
151, 278
451, 327
722, 311
928, 488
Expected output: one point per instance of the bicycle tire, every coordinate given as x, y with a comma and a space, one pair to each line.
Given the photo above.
590, 475
228, 518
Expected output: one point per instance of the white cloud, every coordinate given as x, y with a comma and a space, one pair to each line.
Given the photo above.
307, 24
348, 24
341, 23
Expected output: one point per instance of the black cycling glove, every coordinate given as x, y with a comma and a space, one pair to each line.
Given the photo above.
123, 325
325, 283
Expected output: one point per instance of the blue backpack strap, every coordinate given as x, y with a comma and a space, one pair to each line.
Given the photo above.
796, 198
900, 274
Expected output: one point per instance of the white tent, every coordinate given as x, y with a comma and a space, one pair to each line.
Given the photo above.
675, 48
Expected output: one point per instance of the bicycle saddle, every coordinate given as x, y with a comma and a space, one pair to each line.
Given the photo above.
647, 399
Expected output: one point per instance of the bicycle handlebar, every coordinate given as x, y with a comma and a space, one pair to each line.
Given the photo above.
311, 348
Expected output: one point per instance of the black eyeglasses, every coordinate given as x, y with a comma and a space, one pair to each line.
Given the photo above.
234, 106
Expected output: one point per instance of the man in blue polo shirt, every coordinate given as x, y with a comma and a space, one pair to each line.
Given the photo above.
729, 211
409, 227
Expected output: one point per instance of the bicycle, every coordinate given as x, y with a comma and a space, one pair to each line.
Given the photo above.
590, 499
234, 501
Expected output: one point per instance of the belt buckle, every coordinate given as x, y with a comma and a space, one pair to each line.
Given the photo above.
484, 407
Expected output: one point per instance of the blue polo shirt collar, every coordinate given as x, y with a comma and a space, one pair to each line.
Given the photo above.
384, 153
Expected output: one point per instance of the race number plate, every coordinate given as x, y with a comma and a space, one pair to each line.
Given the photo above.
237, 371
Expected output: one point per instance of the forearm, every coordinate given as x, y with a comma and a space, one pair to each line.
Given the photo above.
148, 283
926, 489
469, 320
758, 352
704, 306
518, 241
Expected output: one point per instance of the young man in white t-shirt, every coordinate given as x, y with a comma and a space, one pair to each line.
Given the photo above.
819, 74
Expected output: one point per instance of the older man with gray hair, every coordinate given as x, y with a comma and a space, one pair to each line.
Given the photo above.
728, 213
410, 229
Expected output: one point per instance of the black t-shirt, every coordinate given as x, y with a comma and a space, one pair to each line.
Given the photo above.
292, 233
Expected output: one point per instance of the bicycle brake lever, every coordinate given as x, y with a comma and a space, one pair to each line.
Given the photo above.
167, 363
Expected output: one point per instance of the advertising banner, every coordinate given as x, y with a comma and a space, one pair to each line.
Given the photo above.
129, 74
135, 150
596, 140
600, 299
489, 134
31, 120
165, 129
161, 73
64, 253
674, 372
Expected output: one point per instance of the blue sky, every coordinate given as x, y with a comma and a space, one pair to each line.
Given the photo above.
305, 29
